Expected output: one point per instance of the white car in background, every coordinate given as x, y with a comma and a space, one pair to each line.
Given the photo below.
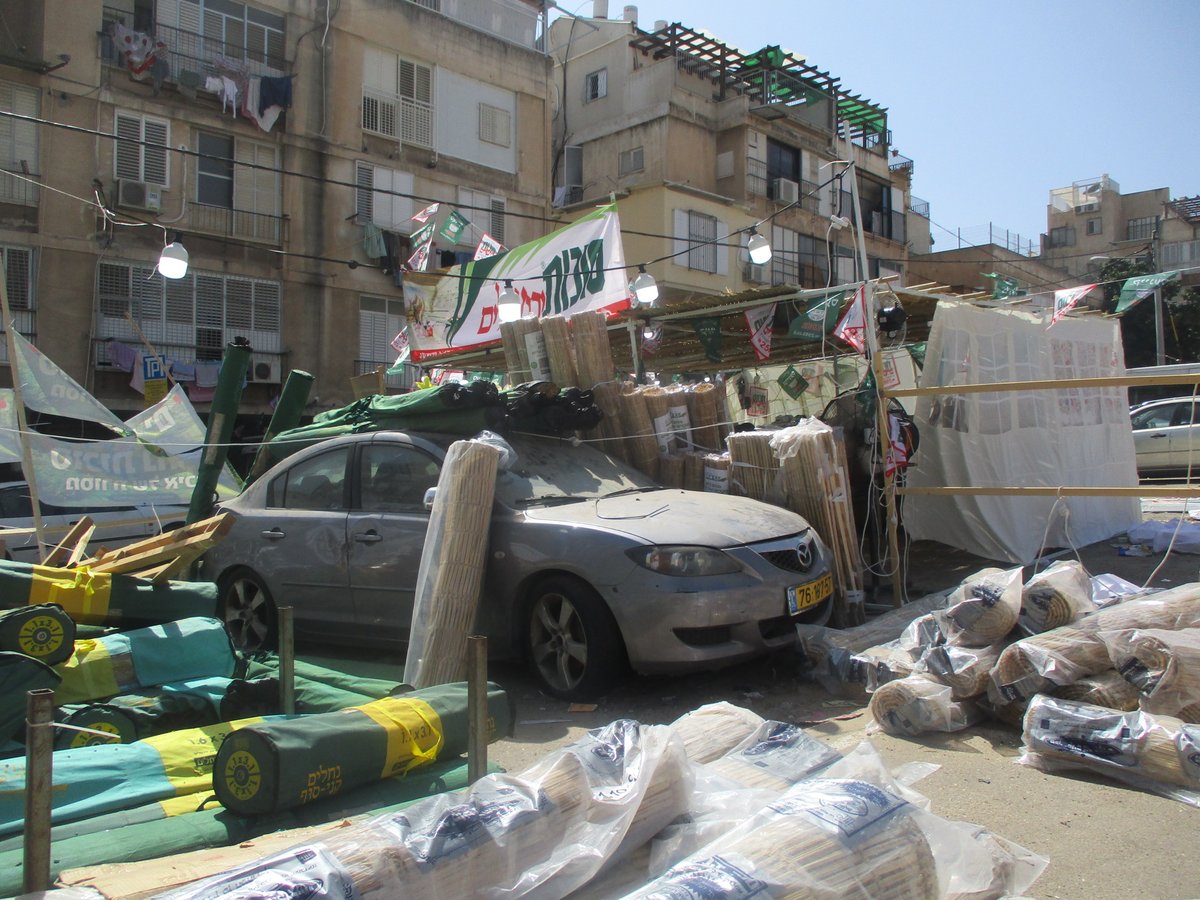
116, 526
1166, 434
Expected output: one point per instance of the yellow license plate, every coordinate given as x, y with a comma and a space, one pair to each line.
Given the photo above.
802, 596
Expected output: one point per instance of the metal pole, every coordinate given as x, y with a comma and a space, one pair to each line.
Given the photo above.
1159, 346
39, 789
287, 415
221, 416
477, 707
287, 661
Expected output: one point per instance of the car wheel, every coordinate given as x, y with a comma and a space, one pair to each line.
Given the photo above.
248, 611
575, 647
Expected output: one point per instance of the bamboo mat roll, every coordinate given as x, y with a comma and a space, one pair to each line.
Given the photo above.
1106, 689
716, 473
559, 352
1164, 666
919, 704
752, 464
776, 757
450, 574
593, 350
516, 351
611, 432
965, 669
693, 471
984, 608
658, 407
712, 730
640, 441
1135, 746
1057, 596
791, 846
704, 411
670, 469
677, 412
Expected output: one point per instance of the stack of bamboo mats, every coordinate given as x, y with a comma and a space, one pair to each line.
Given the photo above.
604, 814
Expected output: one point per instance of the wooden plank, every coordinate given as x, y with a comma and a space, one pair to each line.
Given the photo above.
1043, 385
217, 526
1144, 490
149, 558
80, 533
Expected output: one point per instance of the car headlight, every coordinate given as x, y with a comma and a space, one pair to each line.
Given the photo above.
684, 561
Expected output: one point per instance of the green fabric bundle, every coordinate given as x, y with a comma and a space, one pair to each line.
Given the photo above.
44, 632
20, 674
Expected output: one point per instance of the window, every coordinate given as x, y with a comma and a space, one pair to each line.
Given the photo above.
317, 483
785, 256
630, 161
230, 29
193, 317
18, 143
141, 149
1181, 253
1062, 236
18, 272
484, 211
595, 85
700, 242
782, 162
238, 176
214, 171
383, 196
1142, 229
495, 125
380, 319
1093, 226
397, 98
394, 478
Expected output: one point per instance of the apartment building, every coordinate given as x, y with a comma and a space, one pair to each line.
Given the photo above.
296, 211
1092, 218
698, 139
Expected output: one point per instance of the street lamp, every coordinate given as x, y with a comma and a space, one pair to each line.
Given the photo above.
1160, 351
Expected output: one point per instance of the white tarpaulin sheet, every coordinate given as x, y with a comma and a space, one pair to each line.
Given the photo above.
1020, 439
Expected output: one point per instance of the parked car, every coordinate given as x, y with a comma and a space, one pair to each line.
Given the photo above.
116, 526
591, 564
1166, 434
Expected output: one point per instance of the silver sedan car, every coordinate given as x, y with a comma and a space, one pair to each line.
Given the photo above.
591, 566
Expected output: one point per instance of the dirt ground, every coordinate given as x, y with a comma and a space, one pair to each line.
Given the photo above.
1103, 841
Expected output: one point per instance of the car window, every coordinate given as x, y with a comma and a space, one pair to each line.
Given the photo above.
394, 478
1155, 416
316, 483
15, 504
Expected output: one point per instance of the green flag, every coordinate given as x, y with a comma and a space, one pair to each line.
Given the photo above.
422, 235
455, 223
818, 318
793, 383
1138, 288
1003, 287
708, 330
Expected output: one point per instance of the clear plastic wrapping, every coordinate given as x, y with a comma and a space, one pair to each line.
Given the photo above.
919, 704
1056, 596
1163, 666
984, 608
965, 669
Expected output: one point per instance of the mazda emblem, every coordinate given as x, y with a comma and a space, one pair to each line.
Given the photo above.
804, 554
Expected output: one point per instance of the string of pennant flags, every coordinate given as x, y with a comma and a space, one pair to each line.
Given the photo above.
452, 228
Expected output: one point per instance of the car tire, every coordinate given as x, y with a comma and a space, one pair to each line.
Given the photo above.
248, 611
573, 643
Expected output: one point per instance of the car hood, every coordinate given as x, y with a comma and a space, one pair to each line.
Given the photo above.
678, 517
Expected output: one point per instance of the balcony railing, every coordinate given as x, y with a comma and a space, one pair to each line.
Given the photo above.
918, 206
760, 184
406, 120
18, 190
236, 223
900, 163
195, 53
401, 381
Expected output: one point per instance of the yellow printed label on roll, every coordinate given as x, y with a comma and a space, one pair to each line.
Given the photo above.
243, 775
41, 636
188, 755
81, 593
188, 803
87, 675
414, 732
83, 739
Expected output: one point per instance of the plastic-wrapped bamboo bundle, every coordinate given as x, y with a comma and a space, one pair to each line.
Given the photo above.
1164, 666
964, 669
775, 757
670, 469
1056, 597
593, 351
1155, 753
559, 353
1106, 689
752, 464
516, 352
607, 397
1064, 655
792, 848
658, 407
693, 471
640, 441
984, 608
451, 570
716, 473
714, 729
704, 410
919, 704
677, 412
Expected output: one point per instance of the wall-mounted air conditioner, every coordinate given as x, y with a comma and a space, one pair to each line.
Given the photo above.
1087, 207
786, 190
755, 274
139, 195
266, 370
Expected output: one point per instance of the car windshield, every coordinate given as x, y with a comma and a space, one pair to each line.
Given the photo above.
551, 471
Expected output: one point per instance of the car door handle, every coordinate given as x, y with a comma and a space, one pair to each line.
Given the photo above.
274, 534
368, 537
1157, 436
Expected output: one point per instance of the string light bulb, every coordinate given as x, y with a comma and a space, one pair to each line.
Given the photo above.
508, 306
173, 262
644, 287
758, 247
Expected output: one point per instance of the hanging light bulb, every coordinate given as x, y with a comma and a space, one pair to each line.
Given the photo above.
173, 262
758, 247
508, 306
644, 287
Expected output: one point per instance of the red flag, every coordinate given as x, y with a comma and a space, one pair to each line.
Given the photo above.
1067, 298
759, 321
852, 327
897, 452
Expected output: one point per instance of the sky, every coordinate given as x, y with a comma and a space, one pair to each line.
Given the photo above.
995, 103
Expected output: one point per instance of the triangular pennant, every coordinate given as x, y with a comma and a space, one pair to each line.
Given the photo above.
423, 215
758, 320
47, 388
453, 227
853, 325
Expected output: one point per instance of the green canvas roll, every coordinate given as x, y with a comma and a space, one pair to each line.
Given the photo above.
102, 599
115, 726
132, 717
273, 766
20, 674
44, 632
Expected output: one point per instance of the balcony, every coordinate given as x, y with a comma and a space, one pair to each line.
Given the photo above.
236, 223
761, 183
403, 119
401, 381
18, 190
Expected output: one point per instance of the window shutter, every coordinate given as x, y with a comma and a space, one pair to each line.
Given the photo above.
379, 70
189, 16
18, 271
155, 164
364, 196
680, 233
266, 307
721, 249
497, 219
381, 198
127, 155
238, 299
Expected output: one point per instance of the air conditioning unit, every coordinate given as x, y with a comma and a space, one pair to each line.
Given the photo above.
265, 370
786, 190
139, 195
1087, 207
755, 274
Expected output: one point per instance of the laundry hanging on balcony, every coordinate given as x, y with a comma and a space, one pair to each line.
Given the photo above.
139, 51
265, 98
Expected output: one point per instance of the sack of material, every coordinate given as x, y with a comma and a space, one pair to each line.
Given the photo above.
1056, 596
134, 716
278, 765
44, 632
984, 608
919, 704
146, 657
1164, 666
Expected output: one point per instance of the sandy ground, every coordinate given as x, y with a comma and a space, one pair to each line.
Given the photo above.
1103, 840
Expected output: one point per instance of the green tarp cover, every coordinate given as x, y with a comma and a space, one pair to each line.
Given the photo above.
146, 833
172, 707
44, 632
20, 674
278, 765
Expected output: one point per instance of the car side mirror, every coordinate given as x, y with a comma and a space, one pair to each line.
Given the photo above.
430, 493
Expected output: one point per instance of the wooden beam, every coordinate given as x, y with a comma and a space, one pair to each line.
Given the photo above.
79, 535
1166, 490
1043, 385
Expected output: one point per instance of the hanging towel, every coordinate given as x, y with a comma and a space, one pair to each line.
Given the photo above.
122, 355
207, 373
199, 394
250, 105
373, 243
276, 91
183, 371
